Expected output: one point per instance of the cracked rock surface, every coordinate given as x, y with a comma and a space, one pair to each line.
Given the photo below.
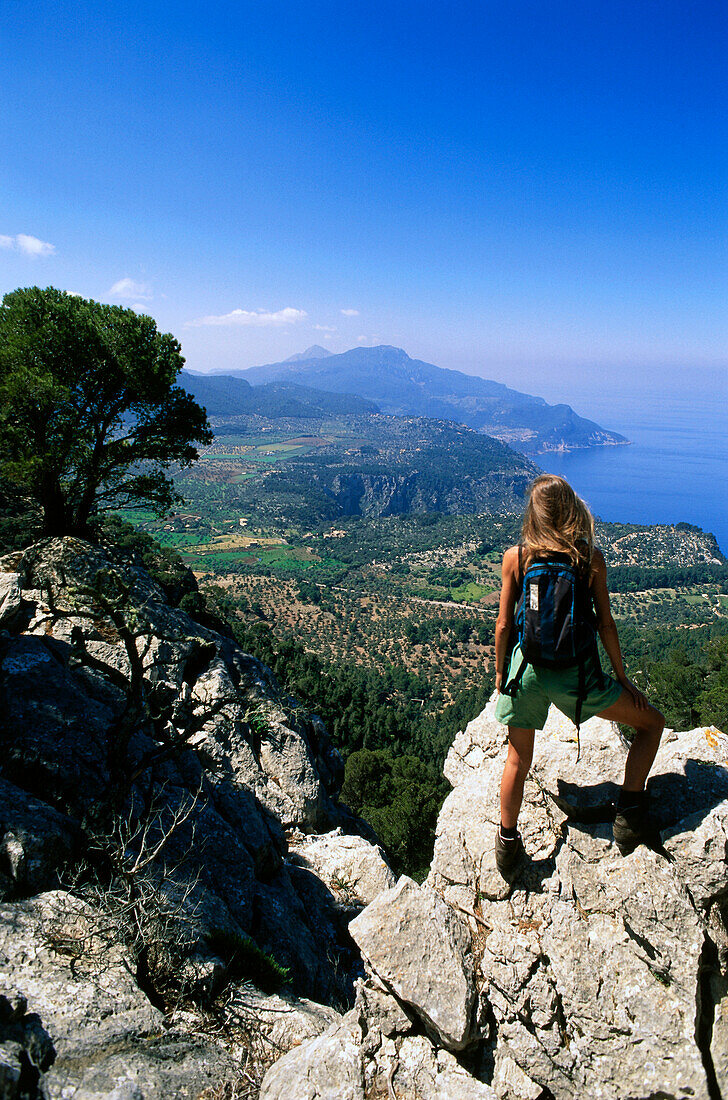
590, 976
135, 736
604, 973
593, 975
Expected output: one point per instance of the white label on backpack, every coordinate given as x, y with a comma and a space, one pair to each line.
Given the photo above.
533, 597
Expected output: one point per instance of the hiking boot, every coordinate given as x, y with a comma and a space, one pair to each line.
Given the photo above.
508, 855
633, 825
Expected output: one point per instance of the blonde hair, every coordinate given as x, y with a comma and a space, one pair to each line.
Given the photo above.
557, 519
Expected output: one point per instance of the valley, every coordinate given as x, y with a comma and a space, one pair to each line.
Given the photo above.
358, 554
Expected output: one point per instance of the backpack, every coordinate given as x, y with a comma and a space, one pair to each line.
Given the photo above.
555, 621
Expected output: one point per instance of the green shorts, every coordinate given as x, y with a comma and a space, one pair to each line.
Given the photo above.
541, 686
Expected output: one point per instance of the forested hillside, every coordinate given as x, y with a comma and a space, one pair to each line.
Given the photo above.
384, 627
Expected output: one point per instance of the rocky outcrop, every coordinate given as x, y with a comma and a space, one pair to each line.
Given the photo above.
353, 869
592, 974
170, 839
152, 774
420, 947
364, 1054
103, 1037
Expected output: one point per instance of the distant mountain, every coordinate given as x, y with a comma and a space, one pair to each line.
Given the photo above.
314, 352
228, 395
403, 386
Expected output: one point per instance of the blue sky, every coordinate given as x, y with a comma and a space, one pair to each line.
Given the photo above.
528, 191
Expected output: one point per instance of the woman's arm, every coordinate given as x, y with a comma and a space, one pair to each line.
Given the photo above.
504, 622
608, 628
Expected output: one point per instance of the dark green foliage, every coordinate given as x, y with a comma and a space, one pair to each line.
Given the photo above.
713, 699
400, 796
636, 578
20, 518
89, 414
245, 959
674, 685
309, 593
642, 644
690, 690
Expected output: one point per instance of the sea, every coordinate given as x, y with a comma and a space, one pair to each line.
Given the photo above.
676, 466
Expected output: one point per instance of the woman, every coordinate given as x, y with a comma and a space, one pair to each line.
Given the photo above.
557, 521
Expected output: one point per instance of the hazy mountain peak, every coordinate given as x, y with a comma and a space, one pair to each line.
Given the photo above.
314, 352
402, 386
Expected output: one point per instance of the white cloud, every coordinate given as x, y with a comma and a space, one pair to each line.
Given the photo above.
372, 339
350, 312
324, 328
127, 289
257, 317
29, 246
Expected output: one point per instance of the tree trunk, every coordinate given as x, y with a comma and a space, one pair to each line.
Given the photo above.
78, 520
55, 518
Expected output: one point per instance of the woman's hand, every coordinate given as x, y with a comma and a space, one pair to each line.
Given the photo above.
639, 700
498, 682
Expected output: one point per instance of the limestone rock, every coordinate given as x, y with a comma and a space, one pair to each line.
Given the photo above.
211, 725
380, 1009
284, 1020
510, 1082
328, 1067
169, 1066
420, 947
26, 1050
343, 1062
424, 1073
11, 600
106, 1036
719, 1037
83, 992
352, 868
35, 842
699, 846
690, 774
623, 939
593, 963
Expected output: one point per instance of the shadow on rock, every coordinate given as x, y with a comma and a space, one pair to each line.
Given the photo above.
674, 796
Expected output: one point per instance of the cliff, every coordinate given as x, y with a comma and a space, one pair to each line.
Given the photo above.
172, 847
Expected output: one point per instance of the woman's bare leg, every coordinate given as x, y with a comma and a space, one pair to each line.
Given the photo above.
648, 725
518, 761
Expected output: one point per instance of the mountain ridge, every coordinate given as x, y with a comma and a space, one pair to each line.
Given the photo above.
403, 386
314, 352
230, 395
